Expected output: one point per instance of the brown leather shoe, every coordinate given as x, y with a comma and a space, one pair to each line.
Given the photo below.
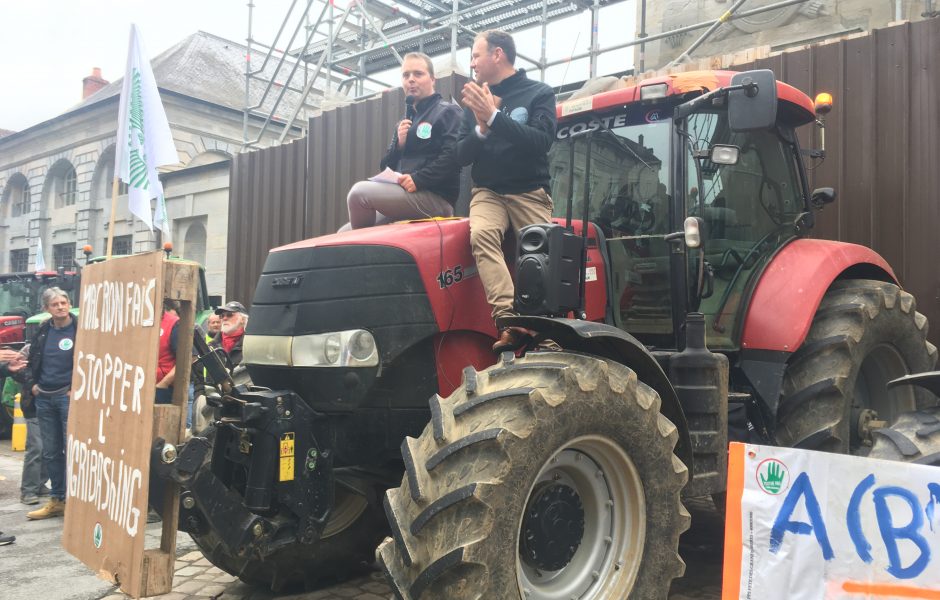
53, 508
511, 338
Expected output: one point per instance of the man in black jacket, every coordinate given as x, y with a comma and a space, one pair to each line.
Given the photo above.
507, 130
51, 358
421, 153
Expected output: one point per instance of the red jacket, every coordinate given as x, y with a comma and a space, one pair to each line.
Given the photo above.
166, 358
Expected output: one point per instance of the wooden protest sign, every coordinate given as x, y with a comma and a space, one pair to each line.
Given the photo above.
113, 420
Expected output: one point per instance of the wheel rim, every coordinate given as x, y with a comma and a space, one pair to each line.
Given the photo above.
607, 558
880, 366
347, 507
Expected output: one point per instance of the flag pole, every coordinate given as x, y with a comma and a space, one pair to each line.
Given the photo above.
114, 195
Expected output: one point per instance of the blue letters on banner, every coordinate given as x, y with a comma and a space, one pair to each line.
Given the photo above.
911, 532
801, 488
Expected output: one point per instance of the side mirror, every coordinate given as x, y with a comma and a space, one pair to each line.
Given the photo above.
755, 107
823, 196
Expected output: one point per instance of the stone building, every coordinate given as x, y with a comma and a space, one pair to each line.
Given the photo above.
56, 176
791, 26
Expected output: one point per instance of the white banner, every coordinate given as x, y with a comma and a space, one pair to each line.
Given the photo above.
804, 525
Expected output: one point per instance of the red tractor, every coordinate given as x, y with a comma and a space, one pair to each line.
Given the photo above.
555, 473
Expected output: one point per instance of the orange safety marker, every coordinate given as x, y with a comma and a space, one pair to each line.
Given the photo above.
18, 433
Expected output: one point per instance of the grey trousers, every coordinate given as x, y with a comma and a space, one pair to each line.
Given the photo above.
34, 475
367, 198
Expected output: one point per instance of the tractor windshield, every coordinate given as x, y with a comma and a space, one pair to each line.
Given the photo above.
749, 210
19, 296
630, 195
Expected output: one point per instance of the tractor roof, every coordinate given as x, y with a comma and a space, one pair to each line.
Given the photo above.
795, 107
33, 275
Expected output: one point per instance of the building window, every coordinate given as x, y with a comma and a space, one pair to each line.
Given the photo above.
69, 189
194, 243
21, 200
63, 186
122, 245
104, 178
63, 256
19, 260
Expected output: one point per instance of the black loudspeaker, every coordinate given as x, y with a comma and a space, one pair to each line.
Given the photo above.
548, 270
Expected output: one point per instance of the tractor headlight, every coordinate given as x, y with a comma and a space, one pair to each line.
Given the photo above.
353, 348
332, 348
362, 345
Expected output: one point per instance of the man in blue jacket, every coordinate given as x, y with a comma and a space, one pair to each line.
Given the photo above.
507, 131
421, 152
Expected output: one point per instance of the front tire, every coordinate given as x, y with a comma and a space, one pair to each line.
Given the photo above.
865, 333
546, 477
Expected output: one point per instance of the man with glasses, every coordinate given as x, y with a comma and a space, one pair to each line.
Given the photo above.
230, 337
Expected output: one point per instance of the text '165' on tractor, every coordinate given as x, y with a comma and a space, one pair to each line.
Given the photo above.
682, 210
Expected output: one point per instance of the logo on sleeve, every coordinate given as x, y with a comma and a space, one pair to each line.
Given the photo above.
520, 114
424, 130
65, 344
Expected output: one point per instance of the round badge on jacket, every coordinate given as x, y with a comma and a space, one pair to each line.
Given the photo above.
65, 344
520, 114
424, 130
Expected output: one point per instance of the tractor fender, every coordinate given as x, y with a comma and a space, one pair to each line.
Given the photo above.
598, 339
790, 289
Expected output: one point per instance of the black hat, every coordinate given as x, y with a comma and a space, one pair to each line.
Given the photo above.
232, 307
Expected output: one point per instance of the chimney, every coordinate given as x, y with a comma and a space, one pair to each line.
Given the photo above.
93, 83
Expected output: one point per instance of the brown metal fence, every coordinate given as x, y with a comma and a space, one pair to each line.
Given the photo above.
266, 210
882, 139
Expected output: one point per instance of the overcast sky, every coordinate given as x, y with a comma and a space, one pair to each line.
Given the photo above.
49, 46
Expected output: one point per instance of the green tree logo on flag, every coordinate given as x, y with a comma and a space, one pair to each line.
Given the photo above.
135, 134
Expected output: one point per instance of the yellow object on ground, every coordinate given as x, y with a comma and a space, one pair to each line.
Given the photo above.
18, 435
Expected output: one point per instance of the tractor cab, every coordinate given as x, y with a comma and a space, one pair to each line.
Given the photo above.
717, 146
21, 298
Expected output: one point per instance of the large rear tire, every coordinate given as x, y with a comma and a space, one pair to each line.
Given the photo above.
546, 477
346, 547
865, 334
914, 438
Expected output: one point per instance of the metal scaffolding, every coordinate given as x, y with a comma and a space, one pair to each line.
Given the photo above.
335, 50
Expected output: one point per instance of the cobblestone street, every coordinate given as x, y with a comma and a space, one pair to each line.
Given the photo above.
196, 578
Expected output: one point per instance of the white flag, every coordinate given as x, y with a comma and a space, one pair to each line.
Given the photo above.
144, 141
40, 257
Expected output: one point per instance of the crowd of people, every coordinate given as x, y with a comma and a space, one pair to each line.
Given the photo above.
504, 132
42, 373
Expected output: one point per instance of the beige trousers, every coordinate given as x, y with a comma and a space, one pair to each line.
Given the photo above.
491, 214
